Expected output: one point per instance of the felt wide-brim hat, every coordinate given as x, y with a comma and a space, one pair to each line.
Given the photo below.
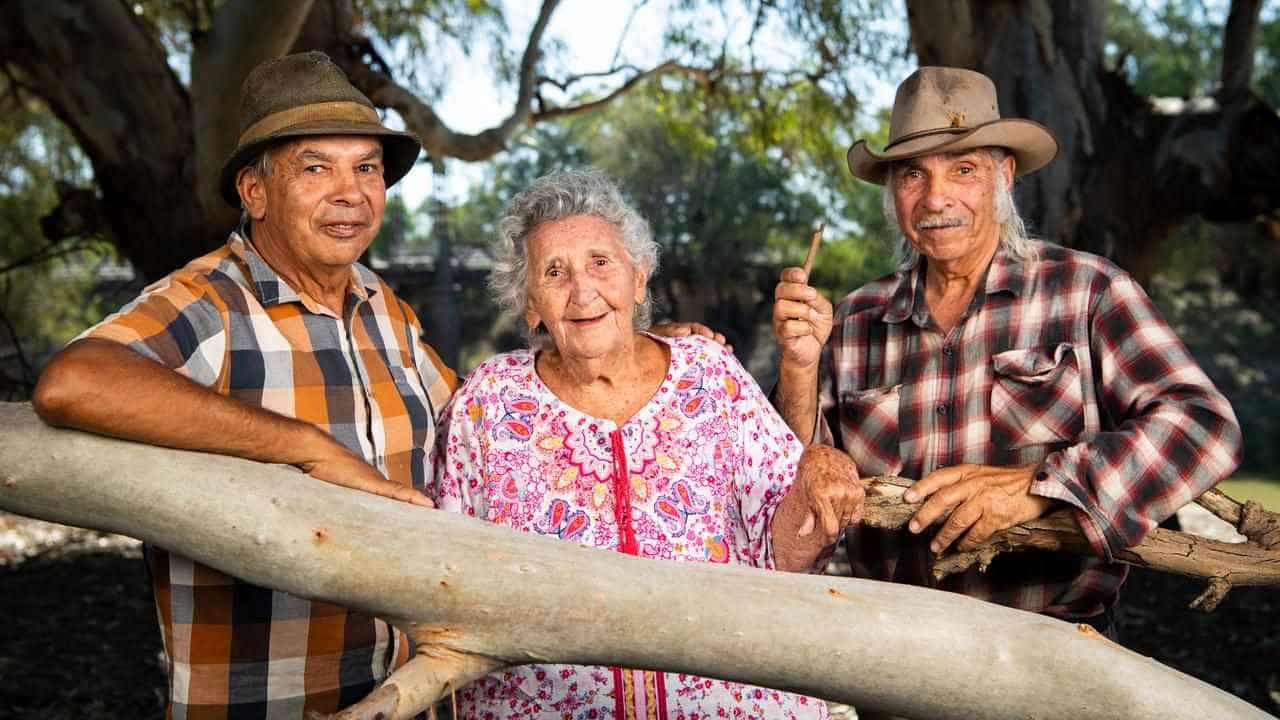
947, 110
306, 95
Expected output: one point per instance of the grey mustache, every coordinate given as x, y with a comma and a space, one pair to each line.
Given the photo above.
942, 222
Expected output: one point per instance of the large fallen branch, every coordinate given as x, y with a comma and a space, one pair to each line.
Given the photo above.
1222, 565
477, 596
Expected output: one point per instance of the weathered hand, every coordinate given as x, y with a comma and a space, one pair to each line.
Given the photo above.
801, 318
344, 468
681, 329
981, 499
829, 488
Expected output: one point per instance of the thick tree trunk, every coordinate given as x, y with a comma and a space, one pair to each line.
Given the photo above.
477, 596
104, 75
1129, 171
242, 34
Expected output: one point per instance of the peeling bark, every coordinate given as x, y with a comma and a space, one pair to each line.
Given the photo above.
488, 596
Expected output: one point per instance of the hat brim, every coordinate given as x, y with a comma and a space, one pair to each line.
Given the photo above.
1031, 144
399, 151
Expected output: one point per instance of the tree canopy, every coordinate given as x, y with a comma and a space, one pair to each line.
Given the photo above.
727, 121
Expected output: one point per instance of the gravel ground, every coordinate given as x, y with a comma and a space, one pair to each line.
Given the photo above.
79, 638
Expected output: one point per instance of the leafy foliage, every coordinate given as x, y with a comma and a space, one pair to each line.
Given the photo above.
43, 284
1266, 72
732, 185
1167, 49
1173, 48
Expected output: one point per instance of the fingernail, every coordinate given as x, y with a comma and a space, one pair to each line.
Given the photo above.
913, 526
933, 547
909, 496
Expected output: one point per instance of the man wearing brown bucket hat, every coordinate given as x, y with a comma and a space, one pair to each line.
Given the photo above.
1011, 377
278, 347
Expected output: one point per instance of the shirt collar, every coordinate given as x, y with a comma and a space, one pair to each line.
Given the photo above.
1005, 274
272, 289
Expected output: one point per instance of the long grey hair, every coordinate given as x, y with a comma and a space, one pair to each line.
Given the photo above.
559, 195
1013, 231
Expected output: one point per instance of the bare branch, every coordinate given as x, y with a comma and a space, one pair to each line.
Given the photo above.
626, 29
756, 24
1222, 565
45, 254
564, 84
703, 76
528, 71
1239, 42
1221, 505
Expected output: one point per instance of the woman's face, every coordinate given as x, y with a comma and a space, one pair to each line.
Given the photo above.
583, 286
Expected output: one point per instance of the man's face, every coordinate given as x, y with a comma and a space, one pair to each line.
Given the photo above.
321, 205
945, 203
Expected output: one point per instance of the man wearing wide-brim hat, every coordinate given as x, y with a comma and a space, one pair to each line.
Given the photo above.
278, 347
1011, 377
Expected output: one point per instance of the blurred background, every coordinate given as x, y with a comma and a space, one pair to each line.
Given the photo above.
726, 122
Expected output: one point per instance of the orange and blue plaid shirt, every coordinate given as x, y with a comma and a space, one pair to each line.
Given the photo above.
229, 322
1062, 361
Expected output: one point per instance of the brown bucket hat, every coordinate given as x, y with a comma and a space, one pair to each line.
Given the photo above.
306, 94
943, 110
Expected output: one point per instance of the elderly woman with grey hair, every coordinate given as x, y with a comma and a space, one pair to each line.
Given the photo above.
609, 436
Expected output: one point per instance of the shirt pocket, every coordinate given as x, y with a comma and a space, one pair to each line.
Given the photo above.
1037, 397
869, 428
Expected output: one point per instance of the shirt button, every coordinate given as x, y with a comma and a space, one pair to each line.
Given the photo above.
942, 409
948, 350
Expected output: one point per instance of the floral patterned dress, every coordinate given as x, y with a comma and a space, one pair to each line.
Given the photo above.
694, 476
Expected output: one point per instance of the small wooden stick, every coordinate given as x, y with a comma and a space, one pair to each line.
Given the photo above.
813, 249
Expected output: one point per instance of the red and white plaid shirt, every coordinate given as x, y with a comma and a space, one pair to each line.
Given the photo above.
1061, 361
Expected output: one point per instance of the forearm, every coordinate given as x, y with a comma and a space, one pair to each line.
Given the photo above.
103, 387
1124, 482
796, 399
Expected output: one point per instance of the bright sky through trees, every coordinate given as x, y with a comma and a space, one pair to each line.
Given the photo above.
589, 34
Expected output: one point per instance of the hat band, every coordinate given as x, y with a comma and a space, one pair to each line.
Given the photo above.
328, 111
924, 133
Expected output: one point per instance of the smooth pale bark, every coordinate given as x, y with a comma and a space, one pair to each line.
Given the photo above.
479, 595
241, 34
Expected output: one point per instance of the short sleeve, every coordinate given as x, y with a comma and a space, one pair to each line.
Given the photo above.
176, 322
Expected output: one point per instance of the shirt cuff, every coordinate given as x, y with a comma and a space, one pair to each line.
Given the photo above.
1051, 481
